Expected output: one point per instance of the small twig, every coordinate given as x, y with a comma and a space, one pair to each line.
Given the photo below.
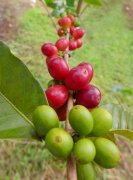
85, 7
80, 2
66, 53
46, 8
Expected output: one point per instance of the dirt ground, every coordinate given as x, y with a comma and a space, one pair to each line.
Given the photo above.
9, 15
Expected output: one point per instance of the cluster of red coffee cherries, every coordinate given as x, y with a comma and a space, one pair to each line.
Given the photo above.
65, 80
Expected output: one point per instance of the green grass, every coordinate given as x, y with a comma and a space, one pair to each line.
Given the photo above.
108, 45
25, 160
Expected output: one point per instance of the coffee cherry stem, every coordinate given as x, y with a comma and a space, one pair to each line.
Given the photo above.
49, 14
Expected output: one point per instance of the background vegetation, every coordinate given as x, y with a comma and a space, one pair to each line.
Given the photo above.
108, 45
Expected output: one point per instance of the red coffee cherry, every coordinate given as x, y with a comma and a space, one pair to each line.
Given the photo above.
64, 22
79, 43
58, 68
72, 29
72, 45
48, 58
89, 96
90, 69
78, 33
57, 96
71, 17
49, 49
62, 44
60, 32
77, 78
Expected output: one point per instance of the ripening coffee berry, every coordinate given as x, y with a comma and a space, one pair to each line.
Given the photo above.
103, 121
90, 69
84, 151
59, 142
83, 169
71, 17
58, 68
89, 96
72, 45
79, 43
64, 22
62, 44
44, 119
78, 33
107, 153
57, 96
72, 29
49, 49
77, 78
60, 32
81, 120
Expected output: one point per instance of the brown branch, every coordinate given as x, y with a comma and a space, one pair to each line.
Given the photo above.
70, 99
69, 107
71, 169
80, 2
71, 164
47, 9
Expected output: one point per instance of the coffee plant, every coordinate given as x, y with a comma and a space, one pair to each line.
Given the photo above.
69, 115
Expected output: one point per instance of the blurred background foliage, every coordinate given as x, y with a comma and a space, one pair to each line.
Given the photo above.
108, 45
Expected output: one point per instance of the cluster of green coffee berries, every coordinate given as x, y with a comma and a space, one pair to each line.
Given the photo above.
90, 128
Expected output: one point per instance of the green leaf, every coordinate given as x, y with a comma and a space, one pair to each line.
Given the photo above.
54, 3
17, 83
94, 2
123, 132
20, 94
110, 136
13, 124
51, 3
123, 120
70, 3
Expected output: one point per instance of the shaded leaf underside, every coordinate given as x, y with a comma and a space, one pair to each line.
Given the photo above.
123, 121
